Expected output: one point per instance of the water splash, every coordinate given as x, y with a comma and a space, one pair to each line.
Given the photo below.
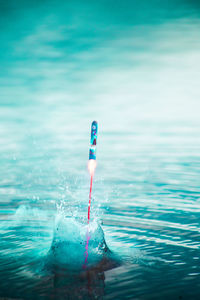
74, 240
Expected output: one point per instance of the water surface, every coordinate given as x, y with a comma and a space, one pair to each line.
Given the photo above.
134, 67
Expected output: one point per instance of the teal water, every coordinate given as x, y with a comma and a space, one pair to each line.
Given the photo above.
134, 67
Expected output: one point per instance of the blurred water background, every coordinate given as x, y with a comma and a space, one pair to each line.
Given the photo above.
134, 67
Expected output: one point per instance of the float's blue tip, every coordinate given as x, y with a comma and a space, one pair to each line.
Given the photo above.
93, 140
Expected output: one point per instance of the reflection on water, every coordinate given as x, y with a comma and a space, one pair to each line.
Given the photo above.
133, 66
86, 250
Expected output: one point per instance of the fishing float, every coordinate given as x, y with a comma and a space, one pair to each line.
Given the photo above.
92, 160
91, 167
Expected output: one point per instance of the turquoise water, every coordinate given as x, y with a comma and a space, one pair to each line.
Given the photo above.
134, 67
